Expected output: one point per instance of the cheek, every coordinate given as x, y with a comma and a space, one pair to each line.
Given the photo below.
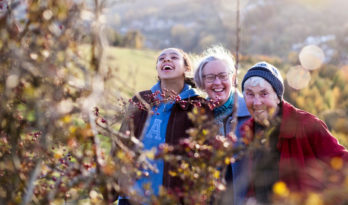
228, 86
206, 86
271, 106
248, 103
157, 67
273, 101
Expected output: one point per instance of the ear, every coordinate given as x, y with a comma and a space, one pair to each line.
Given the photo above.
187, 68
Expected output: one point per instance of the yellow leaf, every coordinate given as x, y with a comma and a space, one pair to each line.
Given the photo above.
172, 173
66, 119
72, 129
216, 174
280, 189
337, 163
195, 111
120, 154
314, 199
58, 154
150, 154
227, 160
109, 168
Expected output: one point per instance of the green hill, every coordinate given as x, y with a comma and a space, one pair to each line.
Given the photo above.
134, 70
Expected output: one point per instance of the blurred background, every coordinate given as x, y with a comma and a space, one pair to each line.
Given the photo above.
268, 27
306, 39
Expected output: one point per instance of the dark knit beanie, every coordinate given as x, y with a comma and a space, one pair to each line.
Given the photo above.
270, 74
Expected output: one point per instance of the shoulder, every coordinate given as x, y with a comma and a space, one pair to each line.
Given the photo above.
195, 102
146, 95
297, 119
297, 115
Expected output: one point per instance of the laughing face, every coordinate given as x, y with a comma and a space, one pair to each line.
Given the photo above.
261, 100
170, 64
217, 81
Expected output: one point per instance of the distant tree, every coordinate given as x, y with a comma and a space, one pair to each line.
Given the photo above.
183, 37
115, 38
133, 39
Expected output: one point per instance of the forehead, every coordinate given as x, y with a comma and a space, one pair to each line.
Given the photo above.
257, 85
170, 51
215, 67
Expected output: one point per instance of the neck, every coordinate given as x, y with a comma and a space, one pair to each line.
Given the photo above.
172, 85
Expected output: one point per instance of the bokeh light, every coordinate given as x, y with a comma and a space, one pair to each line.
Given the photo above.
311, 57
232, 5
298, 77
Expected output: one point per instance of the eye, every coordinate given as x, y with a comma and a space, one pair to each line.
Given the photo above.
160, 58
223, 76
210, 77
249, 94
174, 57
264, 94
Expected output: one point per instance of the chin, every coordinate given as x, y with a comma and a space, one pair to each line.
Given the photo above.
262, 121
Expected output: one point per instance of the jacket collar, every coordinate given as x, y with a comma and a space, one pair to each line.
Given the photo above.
242, 108
187, 91
288, 123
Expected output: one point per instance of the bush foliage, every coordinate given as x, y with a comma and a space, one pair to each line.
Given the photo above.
60, 110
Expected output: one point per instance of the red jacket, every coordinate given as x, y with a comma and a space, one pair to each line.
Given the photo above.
305, 145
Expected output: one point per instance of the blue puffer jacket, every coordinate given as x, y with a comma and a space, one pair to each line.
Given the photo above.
234, 176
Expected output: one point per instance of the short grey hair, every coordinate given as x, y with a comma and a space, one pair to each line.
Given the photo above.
258, 81
214, 53
255, 81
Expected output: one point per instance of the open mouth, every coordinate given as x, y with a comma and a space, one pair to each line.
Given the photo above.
218, 90
167, 67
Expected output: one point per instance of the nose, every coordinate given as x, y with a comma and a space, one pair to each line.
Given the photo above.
166, 58
257, 100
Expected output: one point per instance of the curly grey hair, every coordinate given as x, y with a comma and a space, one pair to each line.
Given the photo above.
214, 53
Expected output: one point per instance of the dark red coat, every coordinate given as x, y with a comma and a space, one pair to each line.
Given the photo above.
305, 145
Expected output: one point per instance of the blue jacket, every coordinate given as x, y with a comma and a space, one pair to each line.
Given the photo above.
176, 126
234, 176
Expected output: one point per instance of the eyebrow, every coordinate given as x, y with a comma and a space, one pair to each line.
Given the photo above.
216, 74
172, 53
263, 90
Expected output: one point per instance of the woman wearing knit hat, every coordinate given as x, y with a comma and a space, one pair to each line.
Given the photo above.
286, 141
216, 76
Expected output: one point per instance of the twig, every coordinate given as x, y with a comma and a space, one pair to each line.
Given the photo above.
30, 189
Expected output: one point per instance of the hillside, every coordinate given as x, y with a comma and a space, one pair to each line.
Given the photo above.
269, 27
134, 70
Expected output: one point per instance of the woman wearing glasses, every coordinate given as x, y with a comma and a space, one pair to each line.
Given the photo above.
216, 75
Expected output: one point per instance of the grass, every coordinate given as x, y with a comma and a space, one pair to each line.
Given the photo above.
134, 70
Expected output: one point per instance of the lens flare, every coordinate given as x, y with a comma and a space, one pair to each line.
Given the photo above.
298, 77
311, 57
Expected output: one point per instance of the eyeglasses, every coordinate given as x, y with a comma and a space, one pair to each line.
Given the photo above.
211, 77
